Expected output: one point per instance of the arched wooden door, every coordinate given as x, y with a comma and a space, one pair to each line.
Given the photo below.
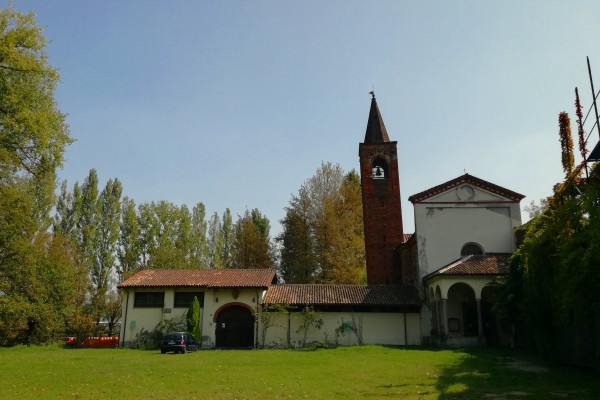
235, 327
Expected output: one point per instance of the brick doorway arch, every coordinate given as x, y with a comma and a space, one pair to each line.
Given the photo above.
235, 327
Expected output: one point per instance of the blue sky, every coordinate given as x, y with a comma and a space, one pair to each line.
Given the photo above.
236, 103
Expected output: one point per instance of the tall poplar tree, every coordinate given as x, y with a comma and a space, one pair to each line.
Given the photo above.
199, 246
227, 235
65, 219
88, 211
164, 253
215, 242
106, 236
148, 230
128, 250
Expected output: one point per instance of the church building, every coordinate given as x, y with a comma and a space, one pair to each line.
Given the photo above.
433, 286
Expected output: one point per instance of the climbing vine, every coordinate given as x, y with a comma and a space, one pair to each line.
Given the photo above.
550, 293
309, 317
269, 317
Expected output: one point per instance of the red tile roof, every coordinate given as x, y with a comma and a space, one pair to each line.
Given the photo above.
210, 278
342, 295
484, 264
466, 178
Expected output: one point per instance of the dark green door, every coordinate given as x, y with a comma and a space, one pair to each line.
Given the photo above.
235, 328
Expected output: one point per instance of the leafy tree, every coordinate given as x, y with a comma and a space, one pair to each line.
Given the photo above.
148, 230
261, 221
184, 237
343, 253
251, 241
551, 290
43, 293
112, 311
129, 247
198, 240
33, 137
164, 252
33, 132
92, 222
297, 248
227, 235
65, 219
215, 242
88, 212
81, 324
170, 236
533, 209
107, 235
322, 238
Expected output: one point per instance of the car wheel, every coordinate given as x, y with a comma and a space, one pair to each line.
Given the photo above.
183, 351
163, 351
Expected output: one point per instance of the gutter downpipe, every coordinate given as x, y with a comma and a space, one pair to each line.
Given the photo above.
405, 331
257, 320
125, 322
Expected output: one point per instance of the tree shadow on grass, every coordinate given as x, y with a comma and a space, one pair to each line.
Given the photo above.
500, 373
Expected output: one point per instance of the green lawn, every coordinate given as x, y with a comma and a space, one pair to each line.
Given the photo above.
346, 373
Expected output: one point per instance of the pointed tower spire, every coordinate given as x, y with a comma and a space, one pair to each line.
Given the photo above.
376, 132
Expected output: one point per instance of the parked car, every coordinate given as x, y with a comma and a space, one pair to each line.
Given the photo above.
178, 342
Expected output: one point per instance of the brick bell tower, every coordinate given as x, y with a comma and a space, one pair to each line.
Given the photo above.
382, 215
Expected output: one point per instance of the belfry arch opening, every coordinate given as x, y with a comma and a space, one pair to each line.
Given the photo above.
379, 169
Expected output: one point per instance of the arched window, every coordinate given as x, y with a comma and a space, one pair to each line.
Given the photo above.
379, 169
471, 249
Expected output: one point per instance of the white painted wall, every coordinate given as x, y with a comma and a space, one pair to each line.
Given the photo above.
378, 328
134, 319
148, 318
216, 298
444, 223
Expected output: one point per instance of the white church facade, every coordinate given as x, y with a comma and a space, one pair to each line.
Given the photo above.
464, 239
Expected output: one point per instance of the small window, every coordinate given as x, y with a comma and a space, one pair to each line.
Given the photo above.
149, 299
184, 299
471, 249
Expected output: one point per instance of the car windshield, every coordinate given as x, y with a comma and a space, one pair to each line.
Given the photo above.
173, 336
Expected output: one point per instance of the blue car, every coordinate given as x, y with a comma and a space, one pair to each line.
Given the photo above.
178, 342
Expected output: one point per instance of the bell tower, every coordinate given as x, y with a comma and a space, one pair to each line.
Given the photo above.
382, 215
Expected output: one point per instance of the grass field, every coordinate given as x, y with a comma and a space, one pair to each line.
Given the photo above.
372, 372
